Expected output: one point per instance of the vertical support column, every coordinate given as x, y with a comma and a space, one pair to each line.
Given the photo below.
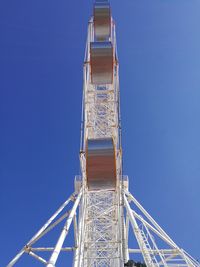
126, 239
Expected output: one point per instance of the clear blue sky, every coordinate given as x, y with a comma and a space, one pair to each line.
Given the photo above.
41, 56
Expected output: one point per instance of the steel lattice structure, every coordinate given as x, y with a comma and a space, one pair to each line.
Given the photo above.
103, 208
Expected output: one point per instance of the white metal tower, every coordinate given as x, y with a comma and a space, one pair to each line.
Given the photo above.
103, 208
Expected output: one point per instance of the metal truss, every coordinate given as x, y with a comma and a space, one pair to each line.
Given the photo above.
100, 102
97, 234
101, 110
102, 237
99, 240
58, 217
153, 244
102, 231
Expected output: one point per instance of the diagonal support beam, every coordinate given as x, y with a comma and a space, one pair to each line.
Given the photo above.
58, 247
39, 233
152, 225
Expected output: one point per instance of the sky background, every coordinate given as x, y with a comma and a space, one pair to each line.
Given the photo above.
41, 57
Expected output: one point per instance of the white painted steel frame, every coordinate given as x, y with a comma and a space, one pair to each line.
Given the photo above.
100, 102
149, 236
102, 236
102, 230
97, 237
48, 226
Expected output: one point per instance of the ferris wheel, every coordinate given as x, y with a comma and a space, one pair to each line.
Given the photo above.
102, 212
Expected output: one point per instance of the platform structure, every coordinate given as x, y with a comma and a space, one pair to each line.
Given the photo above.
103, 209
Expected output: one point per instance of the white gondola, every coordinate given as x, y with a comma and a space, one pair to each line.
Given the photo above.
102, 20
101, 60
100, 164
